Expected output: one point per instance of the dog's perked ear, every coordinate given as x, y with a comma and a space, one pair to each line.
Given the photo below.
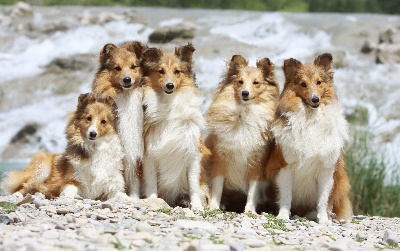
290, 68
185, 53
106, 52
236, 63
325, 61
83, 101
111, 102
267, 68
150, 59
138, 48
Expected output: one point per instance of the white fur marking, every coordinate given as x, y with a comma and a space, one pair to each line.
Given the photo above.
70, 191
217, 188
130, 130
176, 121
102, 173
284, 183
252, 196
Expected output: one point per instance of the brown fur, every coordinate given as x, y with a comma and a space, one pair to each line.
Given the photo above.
58, 167
300, 82
264, 91
157, 66
116, 63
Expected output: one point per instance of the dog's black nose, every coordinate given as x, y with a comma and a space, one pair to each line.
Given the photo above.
315, 99
127, 80
245, 94
92, 135
170, 86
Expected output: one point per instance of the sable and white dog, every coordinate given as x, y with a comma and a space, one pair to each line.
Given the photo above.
307, 167
239, 119
91, 165
119, 77
174, 150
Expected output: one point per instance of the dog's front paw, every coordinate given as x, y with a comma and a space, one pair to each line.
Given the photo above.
250, 209
121, 197
70, 192
196, 204
152, 196
283, 214
214, 204
323, 219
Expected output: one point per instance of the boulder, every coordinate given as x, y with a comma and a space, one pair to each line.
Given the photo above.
170, 33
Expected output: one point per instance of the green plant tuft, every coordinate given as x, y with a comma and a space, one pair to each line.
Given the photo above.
275, 223
7, 207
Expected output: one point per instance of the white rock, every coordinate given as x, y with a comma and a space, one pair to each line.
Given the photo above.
189, 224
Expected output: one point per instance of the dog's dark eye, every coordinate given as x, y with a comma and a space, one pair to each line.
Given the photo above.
161, 71
133, 67
103, 121
303, 84
177, 72
255, 83
318, 82
89, 118
241, 82
118, 68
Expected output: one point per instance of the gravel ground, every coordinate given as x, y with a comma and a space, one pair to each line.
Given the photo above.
81, 224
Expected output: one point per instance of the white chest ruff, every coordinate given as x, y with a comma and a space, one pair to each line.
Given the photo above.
313, 135
102, 173
174, 139
130, 124
240, 141
311, 144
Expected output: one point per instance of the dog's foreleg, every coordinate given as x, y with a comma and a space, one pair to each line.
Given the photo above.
150, 177
217, 187
252, 196
284, 182
325, 185
194, 184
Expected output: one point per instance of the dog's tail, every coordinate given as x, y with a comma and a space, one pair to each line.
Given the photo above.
14, 181
32, 178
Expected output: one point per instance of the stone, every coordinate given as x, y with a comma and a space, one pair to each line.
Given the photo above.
62, 210
367, 48
26, 200
359, 217
390, 238
236, 246
254, 243
190, 224
106, 205
155, 204
143, 227
167, 34
146, 236
96, 216
6, 219
361, 236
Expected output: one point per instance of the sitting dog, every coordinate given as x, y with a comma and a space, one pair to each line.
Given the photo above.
307, 168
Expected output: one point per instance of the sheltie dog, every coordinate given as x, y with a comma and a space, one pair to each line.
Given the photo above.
173, 165
238, 120
119, 77
91, 165
307, 167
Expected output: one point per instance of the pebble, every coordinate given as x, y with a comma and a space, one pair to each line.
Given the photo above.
6, 219
255, 243
107, 225
62, 210
390, 238
236, 246
143, 227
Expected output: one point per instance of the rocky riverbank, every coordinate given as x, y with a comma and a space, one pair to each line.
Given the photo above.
81, 224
